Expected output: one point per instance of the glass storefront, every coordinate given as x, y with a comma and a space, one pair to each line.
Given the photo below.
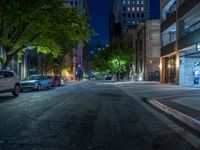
196, 73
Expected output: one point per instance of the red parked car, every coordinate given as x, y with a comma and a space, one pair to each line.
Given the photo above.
55, 80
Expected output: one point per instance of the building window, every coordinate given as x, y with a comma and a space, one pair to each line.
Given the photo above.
124, 15
138, 2
133, 8
129, 2
129, 15
124, 2
129, 9
138, 15
142, 15
138, 8
124, 8
142, 2
124, 21
133, 15
142, 8
169, 35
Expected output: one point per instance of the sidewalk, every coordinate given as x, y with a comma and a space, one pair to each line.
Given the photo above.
185, 109
183, 103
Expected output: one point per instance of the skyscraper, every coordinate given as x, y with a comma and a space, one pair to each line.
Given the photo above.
131, 12
127, 14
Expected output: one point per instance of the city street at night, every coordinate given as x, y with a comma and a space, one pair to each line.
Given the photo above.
99, 75
92, 115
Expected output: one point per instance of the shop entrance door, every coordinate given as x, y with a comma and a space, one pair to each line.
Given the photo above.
170, 64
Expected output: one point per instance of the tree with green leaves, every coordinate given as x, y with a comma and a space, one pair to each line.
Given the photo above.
117, 57
42, 24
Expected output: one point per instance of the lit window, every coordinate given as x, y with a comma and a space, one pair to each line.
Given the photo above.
138, 9
138, 2
142, 2
124, 2
129, 8
133, 21
142, 8
133, 8
129, 2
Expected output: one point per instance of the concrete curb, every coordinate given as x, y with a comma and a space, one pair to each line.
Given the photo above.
192, 122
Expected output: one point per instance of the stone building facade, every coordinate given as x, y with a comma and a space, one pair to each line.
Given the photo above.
148, 50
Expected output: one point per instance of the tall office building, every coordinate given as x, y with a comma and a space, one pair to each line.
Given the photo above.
125, 17
131, 12
127, 14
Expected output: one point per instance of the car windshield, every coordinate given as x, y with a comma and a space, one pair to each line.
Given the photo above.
33, 78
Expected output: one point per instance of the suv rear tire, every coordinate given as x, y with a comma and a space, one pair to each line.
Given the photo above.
16, 90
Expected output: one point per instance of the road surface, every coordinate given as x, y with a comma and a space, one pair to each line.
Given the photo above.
82, 116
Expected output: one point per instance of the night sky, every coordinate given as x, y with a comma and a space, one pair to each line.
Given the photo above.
99, 14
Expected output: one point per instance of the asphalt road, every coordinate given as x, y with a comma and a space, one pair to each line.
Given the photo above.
82, 116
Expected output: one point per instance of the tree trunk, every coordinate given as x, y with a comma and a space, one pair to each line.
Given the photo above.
6, 63
60, 66
118, 76
59, 69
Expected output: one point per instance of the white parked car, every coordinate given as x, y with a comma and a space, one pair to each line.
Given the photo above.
9, 82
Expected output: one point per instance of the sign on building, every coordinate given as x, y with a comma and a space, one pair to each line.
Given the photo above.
198, 46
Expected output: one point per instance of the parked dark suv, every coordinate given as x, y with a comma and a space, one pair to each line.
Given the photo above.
9, 82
